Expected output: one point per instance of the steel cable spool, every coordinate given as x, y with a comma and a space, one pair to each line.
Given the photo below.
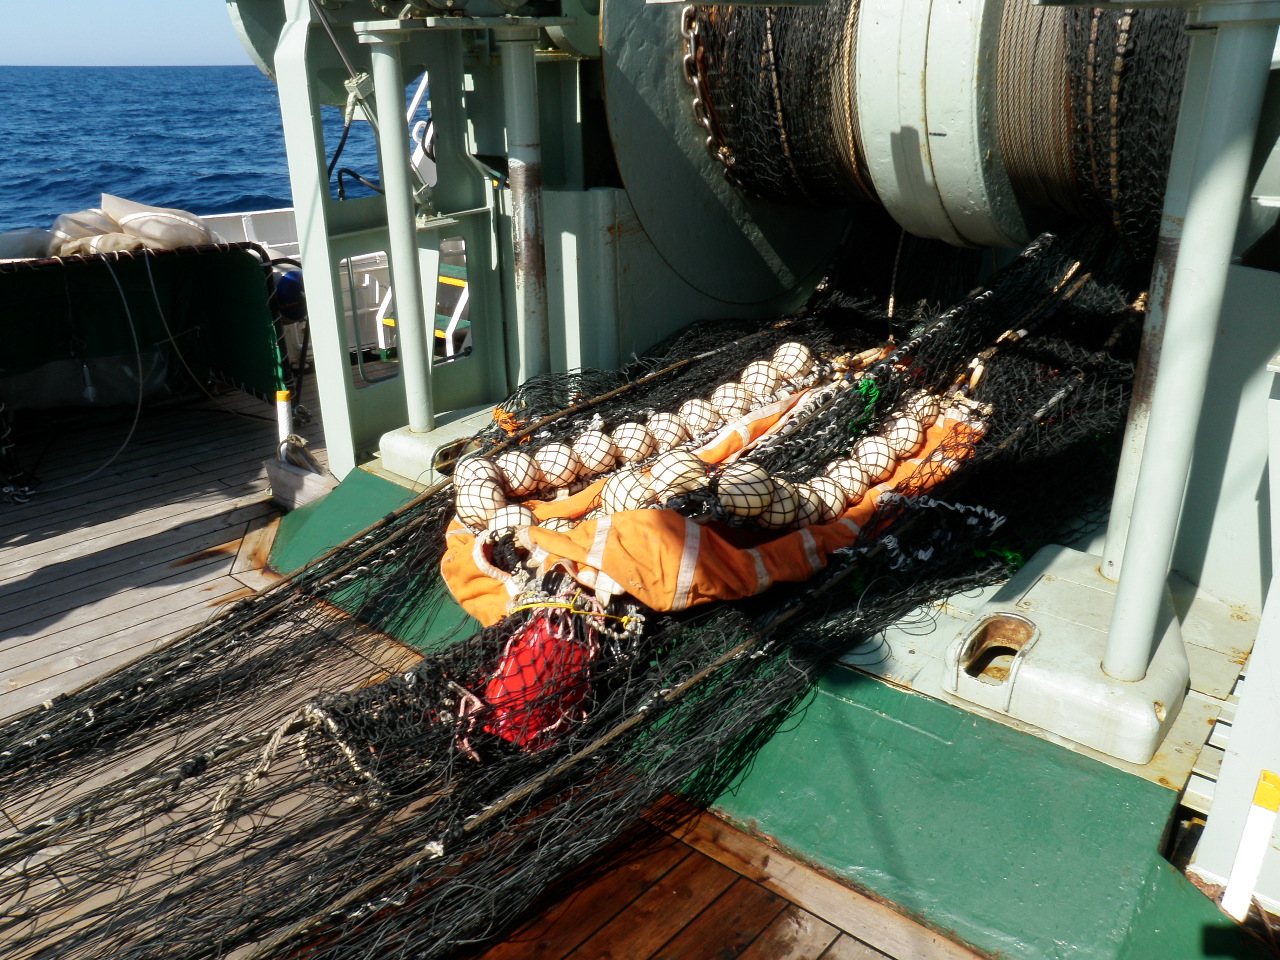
978, 122
1034, 102
849, 134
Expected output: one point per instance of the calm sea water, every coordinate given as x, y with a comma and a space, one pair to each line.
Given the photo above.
203, 139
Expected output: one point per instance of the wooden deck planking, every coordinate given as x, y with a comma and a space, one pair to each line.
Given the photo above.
728, 926
101, 516
109, 595
560, 926
158, 483
661, 894
95, 574
660, 913
80, 639
872, 921
851, 948
155, 538
183, 452
38, 681
58, 509
794, 934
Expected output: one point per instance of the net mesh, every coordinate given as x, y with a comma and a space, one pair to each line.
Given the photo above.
283, 782
1087, 103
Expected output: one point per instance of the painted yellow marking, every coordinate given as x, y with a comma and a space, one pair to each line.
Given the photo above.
388, 321
453, 281
1267, 794
283, 396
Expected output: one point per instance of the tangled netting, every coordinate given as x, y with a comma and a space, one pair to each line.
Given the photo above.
286, 781
1087, 104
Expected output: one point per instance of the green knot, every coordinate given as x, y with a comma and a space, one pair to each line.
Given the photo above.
1008, 556
870, 396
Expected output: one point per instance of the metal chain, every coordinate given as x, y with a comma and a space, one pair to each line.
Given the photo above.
693, 76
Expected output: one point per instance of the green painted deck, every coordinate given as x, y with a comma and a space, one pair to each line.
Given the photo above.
1015, 846
306, 533
359, 501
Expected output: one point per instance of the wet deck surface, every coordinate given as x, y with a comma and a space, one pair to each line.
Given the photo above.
94, 573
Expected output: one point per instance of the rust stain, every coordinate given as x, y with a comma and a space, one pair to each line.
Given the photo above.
1239, 612
997, 672
624, 230
1144, 378
210, 554
230, 597
260, 548
1164, 782
1213, 891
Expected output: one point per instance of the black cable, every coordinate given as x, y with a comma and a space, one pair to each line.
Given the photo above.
300, 373
348, 172
342, 142
137, 410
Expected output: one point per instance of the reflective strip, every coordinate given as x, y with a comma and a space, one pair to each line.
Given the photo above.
811, 551
688, 564
482, 563
606, 587
763, 580
595, 556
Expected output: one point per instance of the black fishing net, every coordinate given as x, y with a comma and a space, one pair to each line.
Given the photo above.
288, 781
1126, 69
773, 91
776, 84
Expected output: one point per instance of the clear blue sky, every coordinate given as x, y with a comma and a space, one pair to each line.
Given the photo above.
117, 33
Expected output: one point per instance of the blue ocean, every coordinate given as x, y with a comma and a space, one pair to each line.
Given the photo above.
203, 139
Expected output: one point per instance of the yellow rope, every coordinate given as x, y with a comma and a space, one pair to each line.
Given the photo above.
556, 605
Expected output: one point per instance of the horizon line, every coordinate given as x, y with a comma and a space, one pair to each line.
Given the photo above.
126, 66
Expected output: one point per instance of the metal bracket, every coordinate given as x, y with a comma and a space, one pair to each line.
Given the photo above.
368, 31
443, 220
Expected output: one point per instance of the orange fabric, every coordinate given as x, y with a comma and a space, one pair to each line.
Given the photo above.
671, 563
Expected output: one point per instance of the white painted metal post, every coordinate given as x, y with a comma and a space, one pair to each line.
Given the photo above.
414, 339
1177, 193
1253, 746
304, 145
1233, 101
524, 167
284, 415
